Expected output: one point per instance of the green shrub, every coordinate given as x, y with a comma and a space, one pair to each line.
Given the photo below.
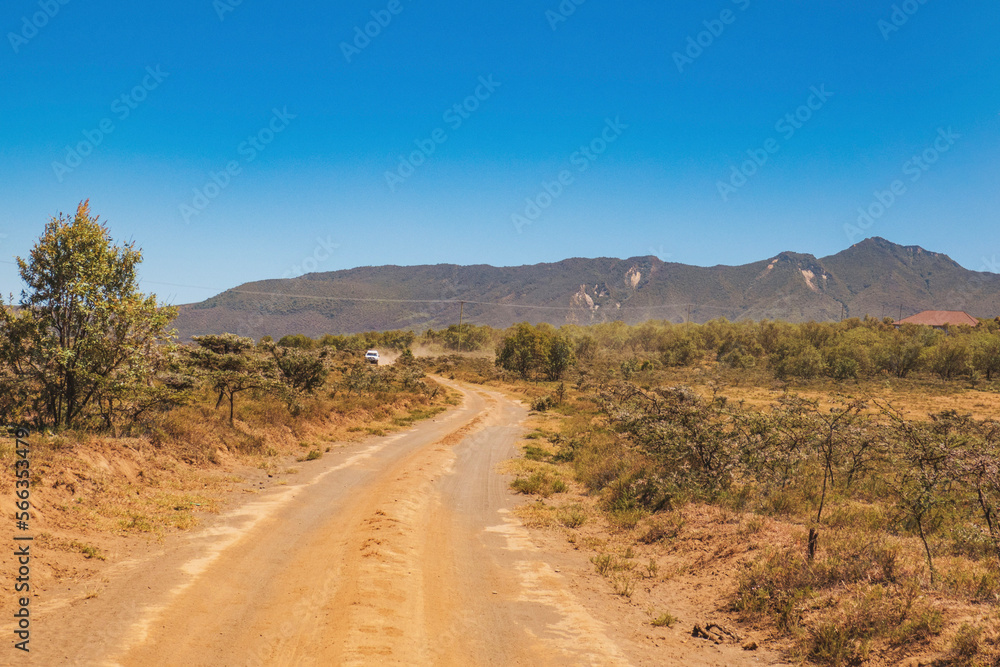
844, 368
664, 620
626, 519
572, 516
542, 404
535, 453
539, 483
965, 646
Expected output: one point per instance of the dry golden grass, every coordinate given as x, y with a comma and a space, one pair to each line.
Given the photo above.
93, 484
916, 397
845, 616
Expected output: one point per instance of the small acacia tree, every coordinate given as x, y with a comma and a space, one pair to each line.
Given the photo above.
925, 474
300, 370
83, 332
232, 366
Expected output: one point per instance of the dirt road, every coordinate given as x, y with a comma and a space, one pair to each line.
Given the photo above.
399, 550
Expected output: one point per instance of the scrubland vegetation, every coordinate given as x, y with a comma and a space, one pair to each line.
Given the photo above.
124, 418
855, 437
876, 449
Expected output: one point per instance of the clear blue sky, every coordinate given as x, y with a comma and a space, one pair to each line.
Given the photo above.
200, 80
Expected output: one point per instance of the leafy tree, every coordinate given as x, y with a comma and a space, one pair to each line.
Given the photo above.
361, 377
467, 337
522, 351
900, 351
950, 357
986, 354
681, 347
537, 349
394, 340
586, 347
20, 389
736, 357
232, 366
691, 439
84, 333
770, 336
558, 357
300, 370
848, 355
129, 402
340, 343
773, 447
300, 341
798, 358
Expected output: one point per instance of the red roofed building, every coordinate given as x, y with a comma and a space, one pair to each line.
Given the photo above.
939, 319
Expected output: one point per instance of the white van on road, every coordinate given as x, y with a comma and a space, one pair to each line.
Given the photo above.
371, 356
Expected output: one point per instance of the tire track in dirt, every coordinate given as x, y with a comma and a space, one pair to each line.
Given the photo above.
366, 549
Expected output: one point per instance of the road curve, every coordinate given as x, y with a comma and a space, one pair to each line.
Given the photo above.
398, 550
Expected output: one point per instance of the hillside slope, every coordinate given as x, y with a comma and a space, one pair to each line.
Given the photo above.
874, 277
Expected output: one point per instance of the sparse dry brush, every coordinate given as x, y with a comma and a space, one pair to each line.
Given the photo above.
932, 484
230, 399
891, 517
887, 514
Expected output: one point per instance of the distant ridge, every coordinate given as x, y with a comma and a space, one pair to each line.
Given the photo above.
873, 277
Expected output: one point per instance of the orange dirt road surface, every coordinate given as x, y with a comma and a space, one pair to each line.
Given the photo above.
400, 550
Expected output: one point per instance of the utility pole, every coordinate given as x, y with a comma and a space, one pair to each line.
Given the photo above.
461, 311
689, 315
842, 308
900, 312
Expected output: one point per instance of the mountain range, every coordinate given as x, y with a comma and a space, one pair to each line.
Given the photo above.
874, 277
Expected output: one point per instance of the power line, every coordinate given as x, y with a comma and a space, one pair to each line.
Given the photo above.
207, 289
496, 304
460, 301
